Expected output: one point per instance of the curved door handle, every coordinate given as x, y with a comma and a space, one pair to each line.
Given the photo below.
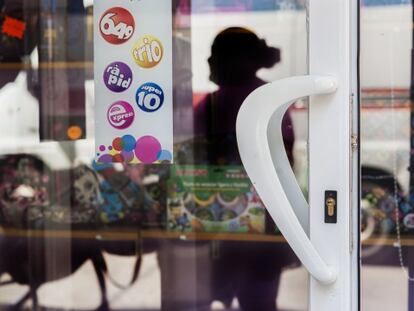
261, 147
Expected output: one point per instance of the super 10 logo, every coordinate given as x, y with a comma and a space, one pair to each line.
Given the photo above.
150, 97
117, 25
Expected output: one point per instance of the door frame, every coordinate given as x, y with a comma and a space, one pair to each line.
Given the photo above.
334, 151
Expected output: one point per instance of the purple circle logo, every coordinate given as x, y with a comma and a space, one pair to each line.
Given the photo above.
121, 115
118, 77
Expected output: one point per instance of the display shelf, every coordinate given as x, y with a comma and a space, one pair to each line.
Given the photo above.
47, 65
112, 234
128, 235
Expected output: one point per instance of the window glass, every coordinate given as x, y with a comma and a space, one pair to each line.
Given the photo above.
193, 235
386, 154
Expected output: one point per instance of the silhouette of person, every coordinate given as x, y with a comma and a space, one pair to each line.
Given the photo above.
249, 271
236, 56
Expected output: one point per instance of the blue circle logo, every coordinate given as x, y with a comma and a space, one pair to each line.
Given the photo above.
150, 97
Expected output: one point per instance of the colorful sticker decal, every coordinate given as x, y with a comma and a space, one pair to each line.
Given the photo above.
133, 107
121, 115
150, 97
127, 149
118, 77
117, 25
148, 51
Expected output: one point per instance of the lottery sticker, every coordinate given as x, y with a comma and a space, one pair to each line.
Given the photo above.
150, 97
118, 77
148, 52
121, 115
117, 25
133, 82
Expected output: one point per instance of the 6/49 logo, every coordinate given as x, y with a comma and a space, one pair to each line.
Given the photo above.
150, 97
117, 25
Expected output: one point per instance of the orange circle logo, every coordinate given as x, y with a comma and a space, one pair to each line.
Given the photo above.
148, 51
74, 132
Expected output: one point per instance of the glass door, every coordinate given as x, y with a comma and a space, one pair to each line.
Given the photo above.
323, 231
387, 155
81, 233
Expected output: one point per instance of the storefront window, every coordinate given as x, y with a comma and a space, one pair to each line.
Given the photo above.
192, 235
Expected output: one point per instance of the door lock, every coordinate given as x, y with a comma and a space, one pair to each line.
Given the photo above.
331, 207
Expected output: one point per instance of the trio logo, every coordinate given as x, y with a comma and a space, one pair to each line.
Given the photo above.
117, 77
150, 97
117, 25
121, 115
148, 51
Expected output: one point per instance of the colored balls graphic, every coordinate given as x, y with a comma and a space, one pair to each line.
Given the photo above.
106, 158
117, 144
128, 156
128, 143
150, 97
147, 149
120, 115
102, 148
117, 77
148, 51
164, 156
123, 150
118, 158
117, 25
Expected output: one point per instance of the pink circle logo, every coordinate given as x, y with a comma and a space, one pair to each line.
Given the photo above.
121, 115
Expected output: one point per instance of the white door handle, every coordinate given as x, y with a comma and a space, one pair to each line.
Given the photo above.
261, 147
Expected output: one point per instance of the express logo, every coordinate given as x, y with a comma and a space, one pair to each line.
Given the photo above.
117, 25
150, 97
148, 52
121, 115
117, 77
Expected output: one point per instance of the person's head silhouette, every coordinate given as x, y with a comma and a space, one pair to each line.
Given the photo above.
237, 54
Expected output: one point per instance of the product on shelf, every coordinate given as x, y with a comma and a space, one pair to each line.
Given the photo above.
213, 199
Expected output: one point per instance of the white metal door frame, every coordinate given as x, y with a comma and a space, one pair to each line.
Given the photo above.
333, 152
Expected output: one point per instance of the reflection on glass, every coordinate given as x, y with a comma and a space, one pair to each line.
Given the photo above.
386, 132
189, 236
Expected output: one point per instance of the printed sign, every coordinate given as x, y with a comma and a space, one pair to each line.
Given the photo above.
133, 81
213, 199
